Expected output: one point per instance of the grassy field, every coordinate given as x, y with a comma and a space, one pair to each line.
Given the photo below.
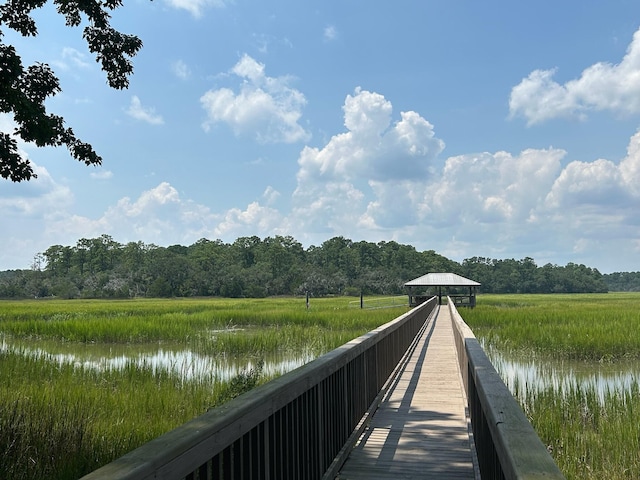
589, 436
60, 421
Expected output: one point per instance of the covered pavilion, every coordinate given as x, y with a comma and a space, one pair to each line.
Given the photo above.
461, 290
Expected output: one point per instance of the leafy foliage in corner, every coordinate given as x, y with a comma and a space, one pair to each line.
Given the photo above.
23, 91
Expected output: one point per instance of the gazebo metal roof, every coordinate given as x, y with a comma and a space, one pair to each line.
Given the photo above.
441, 280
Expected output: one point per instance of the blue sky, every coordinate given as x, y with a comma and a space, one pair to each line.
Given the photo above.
496, 129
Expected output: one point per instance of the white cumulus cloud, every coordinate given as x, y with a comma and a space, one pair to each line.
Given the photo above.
630, 166
158, 215
41, 196
601, 192
373, 148
492, 188
181, 69
270, 195
101, 175
383, 177
583, 183
374, 156
72, 59
256, 219
602, 86
144, 114
196, 7
330, 33
264, 107
26, 209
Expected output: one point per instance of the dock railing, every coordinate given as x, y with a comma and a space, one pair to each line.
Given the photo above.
293, 427
506, 444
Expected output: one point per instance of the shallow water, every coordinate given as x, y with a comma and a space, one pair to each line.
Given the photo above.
524, 374
174, 360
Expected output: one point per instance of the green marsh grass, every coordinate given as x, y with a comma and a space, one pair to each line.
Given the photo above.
141, 321
602, 327
589, 437
592, 434
59, 421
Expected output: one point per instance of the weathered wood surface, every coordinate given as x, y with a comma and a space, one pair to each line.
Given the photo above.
420, 430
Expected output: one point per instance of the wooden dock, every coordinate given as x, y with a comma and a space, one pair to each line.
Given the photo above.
420, 430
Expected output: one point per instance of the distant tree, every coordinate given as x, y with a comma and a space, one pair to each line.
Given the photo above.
58, 259
208, 258
103, 252
23, 91
284, 256
246, 250
623, 281
338, 254
64, 288
170, 272
160, 287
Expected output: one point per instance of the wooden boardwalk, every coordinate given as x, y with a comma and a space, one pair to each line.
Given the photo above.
420, 430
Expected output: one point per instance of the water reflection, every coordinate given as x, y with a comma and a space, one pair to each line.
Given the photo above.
524, 375
164, 359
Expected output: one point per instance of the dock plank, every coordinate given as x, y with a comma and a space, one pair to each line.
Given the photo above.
420, 430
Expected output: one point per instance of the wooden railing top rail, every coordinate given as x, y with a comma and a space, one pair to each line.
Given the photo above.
176, 453
521, 453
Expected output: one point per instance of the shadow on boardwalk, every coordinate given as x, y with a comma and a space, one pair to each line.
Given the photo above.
420, 429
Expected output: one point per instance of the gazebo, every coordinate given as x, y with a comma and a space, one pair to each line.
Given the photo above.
461, 290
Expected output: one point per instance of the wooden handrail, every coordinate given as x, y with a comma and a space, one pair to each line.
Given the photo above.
506, 444
290, 428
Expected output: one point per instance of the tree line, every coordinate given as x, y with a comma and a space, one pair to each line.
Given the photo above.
253, 267
623, 281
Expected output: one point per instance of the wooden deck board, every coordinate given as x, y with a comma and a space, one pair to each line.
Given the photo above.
420, 430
